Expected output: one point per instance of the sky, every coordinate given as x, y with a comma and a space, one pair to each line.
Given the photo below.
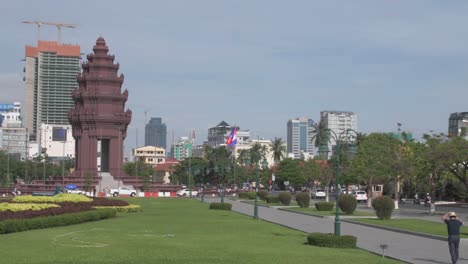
257, 64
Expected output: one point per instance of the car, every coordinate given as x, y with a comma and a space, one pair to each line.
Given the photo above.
75, 191
122, 191
320, 194
361, 196
186, 192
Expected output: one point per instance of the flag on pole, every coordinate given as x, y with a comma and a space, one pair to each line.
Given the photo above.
231, 140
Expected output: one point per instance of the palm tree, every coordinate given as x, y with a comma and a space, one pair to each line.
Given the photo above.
319, 133
278, 149
243, 156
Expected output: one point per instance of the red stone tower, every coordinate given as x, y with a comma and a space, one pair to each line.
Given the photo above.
99, 114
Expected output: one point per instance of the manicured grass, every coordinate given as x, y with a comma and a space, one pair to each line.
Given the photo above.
314, 211
415, 225
173, 231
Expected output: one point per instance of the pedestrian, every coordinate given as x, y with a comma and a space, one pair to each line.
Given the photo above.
94, 192
453, 229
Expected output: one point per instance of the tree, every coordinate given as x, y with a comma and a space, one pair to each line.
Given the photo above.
373, 160
278, 149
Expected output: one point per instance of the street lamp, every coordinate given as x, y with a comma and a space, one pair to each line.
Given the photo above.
222, 169
264, 166
346, 139
202, 172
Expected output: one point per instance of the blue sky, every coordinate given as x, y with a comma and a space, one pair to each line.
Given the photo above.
257, 64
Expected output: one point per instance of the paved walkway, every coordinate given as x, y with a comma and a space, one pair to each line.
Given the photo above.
408, 248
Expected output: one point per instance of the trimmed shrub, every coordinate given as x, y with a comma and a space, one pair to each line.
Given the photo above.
59, 198
262, 194
18, 225
272, 199
221, 206
132, 208
324, 206
243, 195
303, 199
251, 195
285, 198
347, 203
331, 241
383, 206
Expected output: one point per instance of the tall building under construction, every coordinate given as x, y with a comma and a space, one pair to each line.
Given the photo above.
50, 77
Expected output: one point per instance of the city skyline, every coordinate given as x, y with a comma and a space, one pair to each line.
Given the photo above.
257, 65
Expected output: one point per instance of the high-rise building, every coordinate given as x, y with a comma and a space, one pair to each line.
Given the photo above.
338, 122
14, 141
182, 148
458, 124
299, 137
50, 77
156, 133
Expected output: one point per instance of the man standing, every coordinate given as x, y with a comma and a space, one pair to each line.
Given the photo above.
453, 229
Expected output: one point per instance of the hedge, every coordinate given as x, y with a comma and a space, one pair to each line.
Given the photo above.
272, 199
247, 195
132, 208
285, 198
262, 194
331, 241
383, 206
221, 206
303, 199
324, 206
347, 203
19, 225
15, 207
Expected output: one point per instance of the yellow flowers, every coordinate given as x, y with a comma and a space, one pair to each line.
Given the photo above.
123, 209
59, 198
15, 207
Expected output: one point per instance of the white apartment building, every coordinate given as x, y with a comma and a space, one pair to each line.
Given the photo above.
150, 155
57, 141
338, 122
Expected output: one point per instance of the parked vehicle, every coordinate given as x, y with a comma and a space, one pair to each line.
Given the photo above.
361, 196
320, 194
122, 191
186, 192
75, 191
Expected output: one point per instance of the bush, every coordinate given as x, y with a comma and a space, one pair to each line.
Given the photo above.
132, 208
221, 206
262, 194
324, 206
285, 198
243, 195
331, 241
251, 195
383, 206
18, 225
347, 203
303, 199
272, 199
59, 198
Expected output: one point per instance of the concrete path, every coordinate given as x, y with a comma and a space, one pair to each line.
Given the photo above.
408, 248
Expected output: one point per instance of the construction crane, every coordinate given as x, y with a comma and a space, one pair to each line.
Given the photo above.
58, 25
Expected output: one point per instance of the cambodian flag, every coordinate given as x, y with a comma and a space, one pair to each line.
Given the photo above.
231, 140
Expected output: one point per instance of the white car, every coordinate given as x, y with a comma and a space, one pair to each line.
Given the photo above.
75, 191
320, 194
361, 196
122, 191
186, 192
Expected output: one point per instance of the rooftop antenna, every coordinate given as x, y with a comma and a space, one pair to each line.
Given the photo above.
58, 25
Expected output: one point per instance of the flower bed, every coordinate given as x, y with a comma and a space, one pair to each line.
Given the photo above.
15, 207
63, 209
132, 208
59, 198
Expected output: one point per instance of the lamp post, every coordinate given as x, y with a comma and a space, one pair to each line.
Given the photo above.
223, 168
257, 184
346, 138
202, 172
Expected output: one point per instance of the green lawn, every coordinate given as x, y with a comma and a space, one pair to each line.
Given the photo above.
172, 231
314, 211
415, 225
